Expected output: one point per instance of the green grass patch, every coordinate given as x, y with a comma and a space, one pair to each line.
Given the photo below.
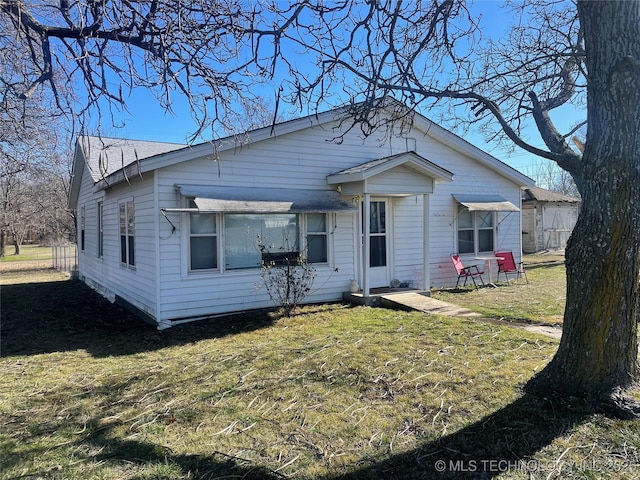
27, 253
332, 393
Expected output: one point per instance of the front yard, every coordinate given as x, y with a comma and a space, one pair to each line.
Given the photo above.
540, 302
332, 393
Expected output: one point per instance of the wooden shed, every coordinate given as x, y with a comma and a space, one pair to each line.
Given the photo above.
548, 219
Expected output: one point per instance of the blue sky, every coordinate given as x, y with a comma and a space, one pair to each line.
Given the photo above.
146, 120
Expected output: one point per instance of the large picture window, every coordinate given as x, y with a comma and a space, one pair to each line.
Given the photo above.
127, 234
245, 233
476, 231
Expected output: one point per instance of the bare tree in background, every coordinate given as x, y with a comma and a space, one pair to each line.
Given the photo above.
548, 175
427, 55
34, 158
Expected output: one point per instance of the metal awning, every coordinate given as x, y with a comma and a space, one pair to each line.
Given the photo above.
264, 200
486, 203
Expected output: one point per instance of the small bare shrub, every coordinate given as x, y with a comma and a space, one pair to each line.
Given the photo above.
286, 275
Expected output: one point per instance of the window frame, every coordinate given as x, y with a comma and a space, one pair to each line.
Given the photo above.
217, 234
82, 228
100, 228
303, 237
312, 233
128, 248
475, 229
268, 255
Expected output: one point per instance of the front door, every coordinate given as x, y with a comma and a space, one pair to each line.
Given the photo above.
379, 240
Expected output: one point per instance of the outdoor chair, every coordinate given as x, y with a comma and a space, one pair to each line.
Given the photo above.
466, 272
508, 266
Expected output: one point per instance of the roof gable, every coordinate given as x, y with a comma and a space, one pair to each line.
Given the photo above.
376, 167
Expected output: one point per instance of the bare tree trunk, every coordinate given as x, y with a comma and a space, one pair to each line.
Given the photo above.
16, 245
598, 354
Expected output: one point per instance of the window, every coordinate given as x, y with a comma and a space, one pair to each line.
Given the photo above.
127, 234
245, 233
476, 230
203, 241
100, 230
317, 238
82, 235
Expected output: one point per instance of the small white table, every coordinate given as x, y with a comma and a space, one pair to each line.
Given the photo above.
489, 259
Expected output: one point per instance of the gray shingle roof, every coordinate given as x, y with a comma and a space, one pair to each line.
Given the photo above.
543, 195
106, 155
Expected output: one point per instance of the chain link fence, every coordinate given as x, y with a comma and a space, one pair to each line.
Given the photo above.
65, 259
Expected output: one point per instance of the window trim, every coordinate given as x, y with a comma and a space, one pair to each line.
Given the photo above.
218, 236
305, 243
129, 233
475, 229
266, 255
221, 235
100, 225
83, 236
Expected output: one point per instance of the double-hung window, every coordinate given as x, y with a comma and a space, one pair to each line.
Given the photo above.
100, 229
203, 241
127, 234
476, 230
317, 239
82, 228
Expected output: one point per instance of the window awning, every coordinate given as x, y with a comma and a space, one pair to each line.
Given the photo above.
264, 200
486, 203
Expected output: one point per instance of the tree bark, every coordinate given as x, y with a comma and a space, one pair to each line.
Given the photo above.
598, 354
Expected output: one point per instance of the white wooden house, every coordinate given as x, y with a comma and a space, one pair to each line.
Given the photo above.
170, 230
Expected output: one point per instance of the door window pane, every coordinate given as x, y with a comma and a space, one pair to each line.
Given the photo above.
378, 254
377, 218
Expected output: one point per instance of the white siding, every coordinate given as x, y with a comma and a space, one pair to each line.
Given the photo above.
408, 240
106, 274
399, 180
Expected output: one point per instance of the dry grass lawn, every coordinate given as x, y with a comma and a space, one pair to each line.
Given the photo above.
333, 393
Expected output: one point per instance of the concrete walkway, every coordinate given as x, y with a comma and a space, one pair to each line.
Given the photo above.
413, 300
422, 303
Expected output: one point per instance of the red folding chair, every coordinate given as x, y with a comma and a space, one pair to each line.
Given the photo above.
508, 266
466, 272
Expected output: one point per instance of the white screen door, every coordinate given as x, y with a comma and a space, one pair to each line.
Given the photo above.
378, 244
